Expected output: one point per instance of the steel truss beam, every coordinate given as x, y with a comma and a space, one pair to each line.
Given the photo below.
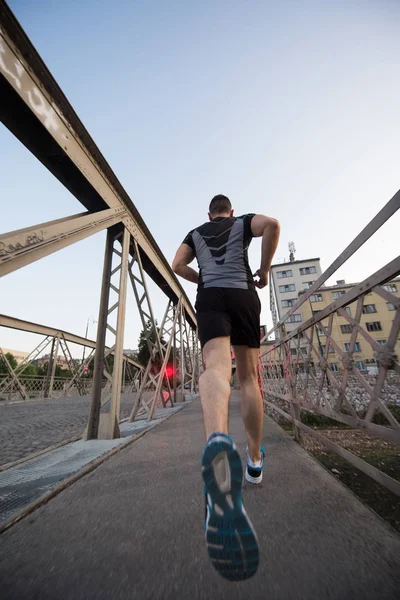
76, 375
19, 370
154, 377
13, 323
153, 338
24, 246
13, 376
35, 109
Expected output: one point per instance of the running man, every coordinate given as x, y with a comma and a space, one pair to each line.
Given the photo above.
228, 312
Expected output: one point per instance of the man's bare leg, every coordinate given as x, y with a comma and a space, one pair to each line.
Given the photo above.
230, 537
214, 385
252, 404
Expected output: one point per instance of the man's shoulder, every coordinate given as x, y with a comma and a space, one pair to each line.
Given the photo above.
247, 216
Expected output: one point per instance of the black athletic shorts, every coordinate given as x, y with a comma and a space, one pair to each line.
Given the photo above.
229, 311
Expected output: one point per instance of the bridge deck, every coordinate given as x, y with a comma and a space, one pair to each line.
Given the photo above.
133, 528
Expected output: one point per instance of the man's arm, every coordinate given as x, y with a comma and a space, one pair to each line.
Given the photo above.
269, 229
183, 257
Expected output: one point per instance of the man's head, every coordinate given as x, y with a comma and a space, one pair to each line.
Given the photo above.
220, 206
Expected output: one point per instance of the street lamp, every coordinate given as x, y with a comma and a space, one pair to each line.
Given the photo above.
86, 334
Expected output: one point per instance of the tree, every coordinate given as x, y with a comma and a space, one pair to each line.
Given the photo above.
143, 355
12, 361
30, 370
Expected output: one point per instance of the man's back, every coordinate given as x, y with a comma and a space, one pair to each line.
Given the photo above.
221, 247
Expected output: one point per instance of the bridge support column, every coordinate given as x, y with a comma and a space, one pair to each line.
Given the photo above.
51, 369
99, 359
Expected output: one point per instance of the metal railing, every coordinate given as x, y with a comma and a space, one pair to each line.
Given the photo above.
296, 372
35, 387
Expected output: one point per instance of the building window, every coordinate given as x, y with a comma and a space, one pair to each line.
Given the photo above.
369, 308
331, 349
346, 328
288, 273
336, 295
334, 367
348, 310
316, 298
294, 319
374, 326
308, 284
290, 287
370, 361
381, 342
390, 306
288, 303
293, 351
390, 287
357, 347
315, 312
307, 270
360, 365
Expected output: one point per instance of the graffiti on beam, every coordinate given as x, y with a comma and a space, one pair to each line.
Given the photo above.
31, 240
14, 70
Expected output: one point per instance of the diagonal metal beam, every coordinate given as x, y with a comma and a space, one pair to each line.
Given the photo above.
25, 246
14, 377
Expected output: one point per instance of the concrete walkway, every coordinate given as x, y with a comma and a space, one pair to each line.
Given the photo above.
133, 528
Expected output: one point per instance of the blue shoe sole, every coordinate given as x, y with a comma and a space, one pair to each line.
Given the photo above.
231, 540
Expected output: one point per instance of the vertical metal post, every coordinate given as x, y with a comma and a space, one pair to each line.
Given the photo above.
174, 358
119, 339
124, 374
193, 353
295, 408
94, 416
49, 370
197, 360
53, 370
160, 379
182, 357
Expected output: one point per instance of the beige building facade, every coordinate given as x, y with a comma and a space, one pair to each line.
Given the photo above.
60, 361
376, 319
286, 281
17, 354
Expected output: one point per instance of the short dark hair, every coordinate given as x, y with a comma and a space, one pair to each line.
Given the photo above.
220, 204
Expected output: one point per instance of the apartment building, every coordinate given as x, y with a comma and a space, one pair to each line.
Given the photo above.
287, 280
17, 354
377, 317
60, 361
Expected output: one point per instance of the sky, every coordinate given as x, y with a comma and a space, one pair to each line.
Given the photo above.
290, 108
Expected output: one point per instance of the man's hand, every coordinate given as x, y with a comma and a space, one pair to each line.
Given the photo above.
263, 279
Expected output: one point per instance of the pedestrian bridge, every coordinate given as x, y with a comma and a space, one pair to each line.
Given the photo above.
133, 527
100, 487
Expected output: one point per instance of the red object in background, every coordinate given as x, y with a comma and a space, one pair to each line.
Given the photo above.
263, 331
169, 371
